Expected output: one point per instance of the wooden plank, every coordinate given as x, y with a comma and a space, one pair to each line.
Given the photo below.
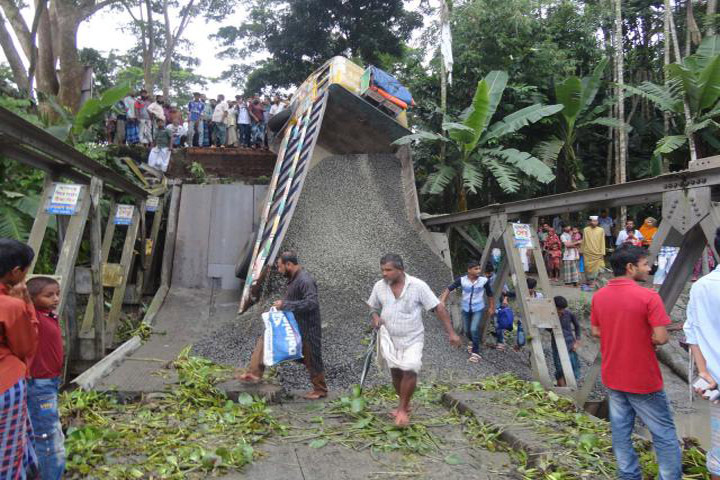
98, 307
551, 317
87, 323
20, 131
170, 236
65, 267
151, 259
470, 241
537, 357
126, 261
42, 218
589, 381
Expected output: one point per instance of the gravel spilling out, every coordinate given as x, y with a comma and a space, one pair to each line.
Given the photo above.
350, 213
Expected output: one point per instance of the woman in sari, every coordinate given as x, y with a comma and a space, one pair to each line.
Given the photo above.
648, 230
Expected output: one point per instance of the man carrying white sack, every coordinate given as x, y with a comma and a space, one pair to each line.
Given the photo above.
398, 301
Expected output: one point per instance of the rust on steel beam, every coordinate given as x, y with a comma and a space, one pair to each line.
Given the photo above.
15, 130
630, 193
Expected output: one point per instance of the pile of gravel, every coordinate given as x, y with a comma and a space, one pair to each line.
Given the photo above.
350, 213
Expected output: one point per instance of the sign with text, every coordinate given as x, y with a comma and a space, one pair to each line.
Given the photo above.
124, 214
522, 234
152, 204
64, 199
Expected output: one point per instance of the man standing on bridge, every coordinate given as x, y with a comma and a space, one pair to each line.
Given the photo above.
593, 250
631, 321
397, 302
301, 298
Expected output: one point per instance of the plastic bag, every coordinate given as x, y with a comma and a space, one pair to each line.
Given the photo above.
282, 337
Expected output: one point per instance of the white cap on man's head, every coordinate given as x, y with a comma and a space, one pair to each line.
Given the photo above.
593, 218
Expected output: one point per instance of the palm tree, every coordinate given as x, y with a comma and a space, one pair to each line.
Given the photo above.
695, 82
476, 149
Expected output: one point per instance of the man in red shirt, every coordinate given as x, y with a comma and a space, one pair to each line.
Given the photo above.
45, 377
630, 321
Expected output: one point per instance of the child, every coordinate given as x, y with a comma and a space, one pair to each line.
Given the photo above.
18, 342
159, 156
555, 258
474, 288
520, 339
45, 374
571, 333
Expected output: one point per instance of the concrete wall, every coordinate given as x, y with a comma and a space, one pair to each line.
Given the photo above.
214, 223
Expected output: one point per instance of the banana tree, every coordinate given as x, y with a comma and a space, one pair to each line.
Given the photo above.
691, 97
476, 148
576, 95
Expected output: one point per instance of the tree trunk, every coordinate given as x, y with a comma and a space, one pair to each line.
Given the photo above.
710, 18
149, 57
686, 105
46, 75
667, 40
622, 139
13, 58
693, 31
71, 70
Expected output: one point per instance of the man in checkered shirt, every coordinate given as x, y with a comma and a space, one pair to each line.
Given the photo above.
397, 303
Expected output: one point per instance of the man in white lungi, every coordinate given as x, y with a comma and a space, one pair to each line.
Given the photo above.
397, 303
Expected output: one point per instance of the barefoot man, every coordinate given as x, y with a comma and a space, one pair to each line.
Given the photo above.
397, 302
301, 298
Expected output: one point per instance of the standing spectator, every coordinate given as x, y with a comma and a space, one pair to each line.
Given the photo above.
218, 119
110, 127
571, 257
243, 121
196, 107
474, 287
132, 137
159, 156
553, 251
231, 125
257, 115
571, 333
157, 109
593, 250
18, 343
143, 115
45, 378
630, 321
397, 302
120, 118
607, 224
557, 223
209, 107
648, 230
629, 235
702, 332
276, 107
698, 268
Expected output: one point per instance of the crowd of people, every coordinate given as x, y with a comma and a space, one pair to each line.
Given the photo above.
571, 253
141, 119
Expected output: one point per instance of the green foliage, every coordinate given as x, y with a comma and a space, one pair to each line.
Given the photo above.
192, 432
300, 36
695, 81
472, 138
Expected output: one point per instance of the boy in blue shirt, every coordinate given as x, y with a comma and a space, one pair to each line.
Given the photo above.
475, 287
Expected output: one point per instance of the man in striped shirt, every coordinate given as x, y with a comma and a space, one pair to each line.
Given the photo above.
397, 302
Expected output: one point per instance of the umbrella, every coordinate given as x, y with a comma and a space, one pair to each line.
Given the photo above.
368, 358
